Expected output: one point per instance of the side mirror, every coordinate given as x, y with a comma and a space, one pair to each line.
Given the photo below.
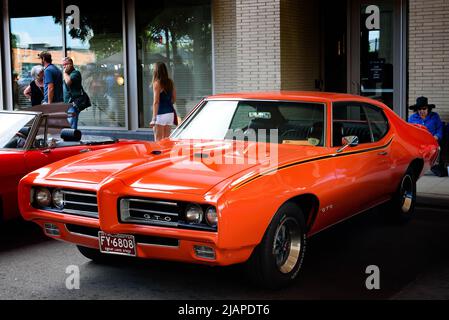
349, 141
52, 144
352, 141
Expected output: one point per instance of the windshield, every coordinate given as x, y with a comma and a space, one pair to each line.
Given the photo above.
14, 129
263, 121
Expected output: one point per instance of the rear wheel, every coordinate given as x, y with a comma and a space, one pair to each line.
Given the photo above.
1, 211
402, 206
276, 261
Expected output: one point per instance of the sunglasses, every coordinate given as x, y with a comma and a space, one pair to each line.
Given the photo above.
423, 108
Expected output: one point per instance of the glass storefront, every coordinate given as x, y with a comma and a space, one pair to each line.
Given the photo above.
179, 34
34, 28
175, 32
376, 54
98, 52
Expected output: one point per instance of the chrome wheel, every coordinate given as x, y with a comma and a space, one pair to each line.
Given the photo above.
287, 245
407, 194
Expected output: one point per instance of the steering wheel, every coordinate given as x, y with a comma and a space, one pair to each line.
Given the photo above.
286, 132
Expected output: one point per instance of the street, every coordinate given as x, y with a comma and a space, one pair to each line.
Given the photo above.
34, 267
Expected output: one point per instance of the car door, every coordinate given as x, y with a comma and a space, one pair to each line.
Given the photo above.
41, 153
361, 172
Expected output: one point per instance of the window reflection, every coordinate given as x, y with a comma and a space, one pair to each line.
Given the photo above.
97, 50
179, 34
34, 28
376, 57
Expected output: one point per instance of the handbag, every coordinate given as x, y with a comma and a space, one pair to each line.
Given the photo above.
82, 101
175, 118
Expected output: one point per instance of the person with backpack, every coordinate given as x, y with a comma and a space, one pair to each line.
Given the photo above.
74, 93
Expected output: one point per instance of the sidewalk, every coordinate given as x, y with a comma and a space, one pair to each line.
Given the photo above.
432, 191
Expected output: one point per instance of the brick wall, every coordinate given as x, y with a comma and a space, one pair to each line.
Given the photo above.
429, 53
300, 44
258, 45
247, 45
225, 45
266, 45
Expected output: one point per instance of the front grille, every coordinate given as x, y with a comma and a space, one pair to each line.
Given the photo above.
140, 239
81, 203
152, 212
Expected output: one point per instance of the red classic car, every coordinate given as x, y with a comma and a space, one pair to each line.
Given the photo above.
244, 178
30, 140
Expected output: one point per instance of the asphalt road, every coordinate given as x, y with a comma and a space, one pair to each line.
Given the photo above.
33, 267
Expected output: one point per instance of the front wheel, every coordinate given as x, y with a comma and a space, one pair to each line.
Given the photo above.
276, 261
402, 206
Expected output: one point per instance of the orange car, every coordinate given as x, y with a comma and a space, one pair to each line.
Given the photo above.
244, 178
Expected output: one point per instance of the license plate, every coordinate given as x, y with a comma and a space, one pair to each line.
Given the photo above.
121, 244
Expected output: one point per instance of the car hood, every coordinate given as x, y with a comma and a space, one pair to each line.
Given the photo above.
176, 166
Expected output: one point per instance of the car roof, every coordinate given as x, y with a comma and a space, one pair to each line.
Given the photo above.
314, 96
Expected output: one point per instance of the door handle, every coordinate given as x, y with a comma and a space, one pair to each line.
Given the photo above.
84, 150
46, 151
383, 153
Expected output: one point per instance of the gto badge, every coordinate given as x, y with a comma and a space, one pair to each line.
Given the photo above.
327, 209
156, 217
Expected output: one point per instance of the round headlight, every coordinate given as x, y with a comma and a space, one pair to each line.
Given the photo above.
194, 213
58, 199
43, 197
211, 216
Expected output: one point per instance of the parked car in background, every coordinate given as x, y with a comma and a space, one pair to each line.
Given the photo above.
32, 139
244, 178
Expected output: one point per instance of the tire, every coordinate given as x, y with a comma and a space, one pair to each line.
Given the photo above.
1, 211
276, 261
96, 256
402, 207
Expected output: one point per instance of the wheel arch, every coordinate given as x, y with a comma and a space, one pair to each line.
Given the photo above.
309, 204
416, 166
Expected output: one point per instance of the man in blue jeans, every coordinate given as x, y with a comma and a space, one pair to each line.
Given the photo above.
72, 90
52, 79
431, 120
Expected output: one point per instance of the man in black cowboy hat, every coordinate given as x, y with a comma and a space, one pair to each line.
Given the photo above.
425, 116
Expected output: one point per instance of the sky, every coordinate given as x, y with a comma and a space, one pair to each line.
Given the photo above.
41, 30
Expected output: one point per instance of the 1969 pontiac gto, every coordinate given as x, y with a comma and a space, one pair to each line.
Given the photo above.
244, 178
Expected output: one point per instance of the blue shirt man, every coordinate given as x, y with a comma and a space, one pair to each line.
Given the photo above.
53, 91
424, 116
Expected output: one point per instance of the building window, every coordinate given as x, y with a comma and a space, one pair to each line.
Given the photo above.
179, 34
98, 52
34, 28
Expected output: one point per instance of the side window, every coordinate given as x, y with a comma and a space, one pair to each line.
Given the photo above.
349, 119
378, 121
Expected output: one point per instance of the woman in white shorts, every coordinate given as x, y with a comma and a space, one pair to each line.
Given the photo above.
164, 96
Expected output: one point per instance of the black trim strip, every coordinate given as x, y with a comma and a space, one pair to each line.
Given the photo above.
334, 155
